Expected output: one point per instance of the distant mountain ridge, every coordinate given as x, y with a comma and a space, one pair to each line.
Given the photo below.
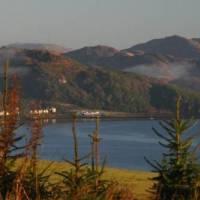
40, 46
176, 46
173, 48
173, 58
110, 57
92, 55
52, 78
111, 72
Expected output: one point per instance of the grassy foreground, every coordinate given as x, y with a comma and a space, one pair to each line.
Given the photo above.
138, 181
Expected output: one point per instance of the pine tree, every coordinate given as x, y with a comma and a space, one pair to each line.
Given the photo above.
178, 172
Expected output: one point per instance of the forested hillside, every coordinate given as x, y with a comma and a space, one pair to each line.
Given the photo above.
48, 77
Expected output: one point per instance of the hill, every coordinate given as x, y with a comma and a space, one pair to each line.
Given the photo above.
160, 52
176, 46
173, 59
92, 55
113, 58
54, 78
40, 46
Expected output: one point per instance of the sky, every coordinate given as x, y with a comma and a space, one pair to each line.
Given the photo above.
78, 23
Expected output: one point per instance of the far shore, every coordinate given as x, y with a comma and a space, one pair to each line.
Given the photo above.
109, 115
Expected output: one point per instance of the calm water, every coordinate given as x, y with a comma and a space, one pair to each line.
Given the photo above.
124, 143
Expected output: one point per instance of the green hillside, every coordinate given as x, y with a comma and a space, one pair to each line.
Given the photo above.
48, 77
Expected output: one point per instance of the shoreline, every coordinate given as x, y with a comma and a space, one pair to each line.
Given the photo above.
109, 115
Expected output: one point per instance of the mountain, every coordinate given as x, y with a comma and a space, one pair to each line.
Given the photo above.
134, 80
92, 55
40, 46
105, 56
155, 65
176, 46
158, 52
173, 59
53, 78
59, 80
185, 71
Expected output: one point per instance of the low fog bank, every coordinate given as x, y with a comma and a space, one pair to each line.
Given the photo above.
171, 72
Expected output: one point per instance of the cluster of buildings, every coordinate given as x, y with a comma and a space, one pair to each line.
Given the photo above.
3, 113
46, 111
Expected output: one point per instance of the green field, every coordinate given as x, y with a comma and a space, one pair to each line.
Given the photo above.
138, 181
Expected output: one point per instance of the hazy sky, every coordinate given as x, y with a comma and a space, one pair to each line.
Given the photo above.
77, 23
